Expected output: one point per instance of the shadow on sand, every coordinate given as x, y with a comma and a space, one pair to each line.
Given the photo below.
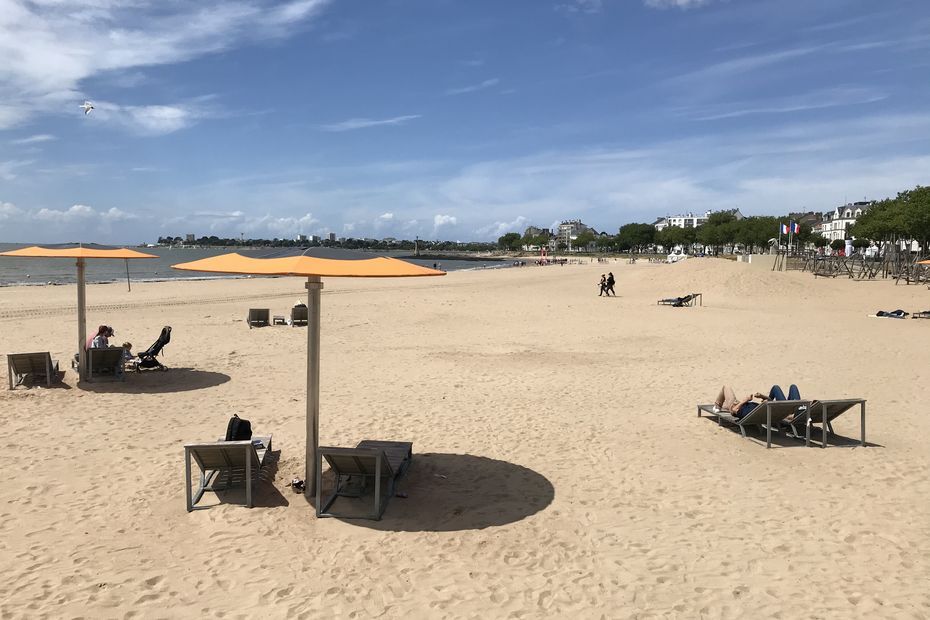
264, 492
450, 492
781, 439
158, 382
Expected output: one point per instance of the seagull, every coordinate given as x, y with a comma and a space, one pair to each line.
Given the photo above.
87, 106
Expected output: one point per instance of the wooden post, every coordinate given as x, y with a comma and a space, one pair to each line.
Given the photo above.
314, 286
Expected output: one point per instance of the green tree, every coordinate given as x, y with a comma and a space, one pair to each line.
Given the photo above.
635, 236
860, 244
510, 241
837, 244
719, 230
671, 236
819, 241
582, 240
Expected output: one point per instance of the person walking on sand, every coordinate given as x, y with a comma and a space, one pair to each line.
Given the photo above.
603, 285
609, 289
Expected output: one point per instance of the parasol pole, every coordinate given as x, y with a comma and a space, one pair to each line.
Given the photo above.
314, 286
127, 276
82, 319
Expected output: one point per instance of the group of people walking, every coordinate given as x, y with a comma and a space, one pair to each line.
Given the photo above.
607, 285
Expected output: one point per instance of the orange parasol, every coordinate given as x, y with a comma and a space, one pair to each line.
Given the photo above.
80, 251
314, 264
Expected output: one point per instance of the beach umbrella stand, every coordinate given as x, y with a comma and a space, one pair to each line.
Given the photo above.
314, 264
81, 252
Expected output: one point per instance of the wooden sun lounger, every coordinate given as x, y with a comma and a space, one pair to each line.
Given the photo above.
382, 461
219, 457
766, 414
923, 314
106, 363
299, 316
259, 317
823, 412
22, 367
686, 301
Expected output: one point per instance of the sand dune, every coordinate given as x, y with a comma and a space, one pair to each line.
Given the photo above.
561, 470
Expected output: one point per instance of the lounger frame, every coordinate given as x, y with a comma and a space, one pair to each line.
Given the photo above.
109, 362
258, 317
22, 366
823, 412
766, 414
689, 304
218, 457
383, 461
299, 316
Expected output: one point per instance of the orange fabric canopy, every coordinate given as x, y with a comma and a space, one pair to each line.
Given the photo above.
76, 252
378, 267
924, 262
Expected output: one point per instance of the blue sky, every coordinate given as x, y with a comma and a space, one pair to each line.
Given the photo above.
449, 119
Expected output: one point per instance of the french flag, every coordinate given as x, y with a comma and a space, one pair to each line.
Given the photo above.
795, 227
784, 229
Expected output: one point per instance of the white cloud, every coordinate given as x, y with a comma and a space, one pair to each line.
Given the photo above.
51, 47
8, 168
581, 6
497, 229
386, 217
473, 87
364, 123
440, 221
680, 4
9, 211
36, 139
79, 212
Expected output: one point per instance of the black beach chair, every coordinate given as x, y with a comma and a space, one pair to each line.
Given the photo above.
147, 358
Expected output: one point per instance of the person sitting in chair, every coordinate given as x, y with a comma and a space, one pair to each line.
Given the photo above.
727, 401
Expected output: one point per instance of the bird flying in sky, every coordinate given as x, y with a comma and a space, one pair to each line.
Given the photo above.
87, 106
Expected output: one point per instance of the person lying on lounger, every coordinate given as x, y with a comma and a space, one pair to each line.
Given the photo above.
727, 400
894, 314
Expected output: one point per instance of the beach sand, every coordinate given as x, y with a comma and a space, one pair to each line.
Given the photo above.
560, 470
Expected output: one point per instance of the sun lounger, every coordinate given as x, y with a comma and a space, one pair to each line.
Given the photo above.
923, 314
768, 414
32, 367
823, 412
299, 315
106, 363
258, 317
680, 302
383, 462
233, 458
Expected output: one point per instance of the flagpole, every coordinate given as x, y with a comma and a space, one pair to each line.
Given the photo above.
790, 234
779, 237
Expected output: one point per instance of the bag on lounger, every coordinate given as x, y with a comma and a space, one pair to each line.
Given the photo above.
238, 429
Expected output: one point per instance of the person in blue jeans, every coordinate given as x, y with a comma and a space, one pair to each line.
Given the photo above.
727, 400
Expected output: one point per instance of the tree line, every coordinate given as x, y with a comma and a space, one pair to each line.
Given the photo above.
349, 243
903, 218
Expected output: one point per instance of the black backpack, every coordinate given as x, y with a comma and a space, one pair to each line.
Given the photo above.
238, 429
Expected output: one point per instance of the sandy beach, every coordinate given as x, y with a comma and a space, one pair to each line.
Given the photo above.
560, 468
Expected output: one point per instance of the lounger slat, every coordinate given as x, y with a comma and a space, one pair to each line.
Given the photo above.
382, 461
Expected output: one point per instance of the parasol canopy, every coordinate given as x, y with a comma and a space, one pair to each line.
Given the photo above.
81, 252
314, 264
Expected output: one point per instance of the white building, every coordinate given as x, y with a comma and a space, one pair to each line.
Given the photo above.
688, 220
835, 223
301, 239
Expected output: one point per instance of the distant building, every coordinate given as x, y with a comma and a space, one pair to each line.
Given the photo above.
391, 240
314, 238
189, 238
690, 220
301, 239
536, 231
332, 237
836, 222
811, 218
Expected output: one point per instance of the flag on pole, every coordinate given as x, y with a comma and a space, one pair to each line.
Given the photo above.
795, 227
784, 229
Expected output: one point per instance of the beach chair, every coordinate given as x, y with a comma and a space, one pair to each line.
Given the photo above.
258, 317
923, 314
106, 363
681, 302
32, 367
823, 412
769, 414
233, 460
382, 462
299, 315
